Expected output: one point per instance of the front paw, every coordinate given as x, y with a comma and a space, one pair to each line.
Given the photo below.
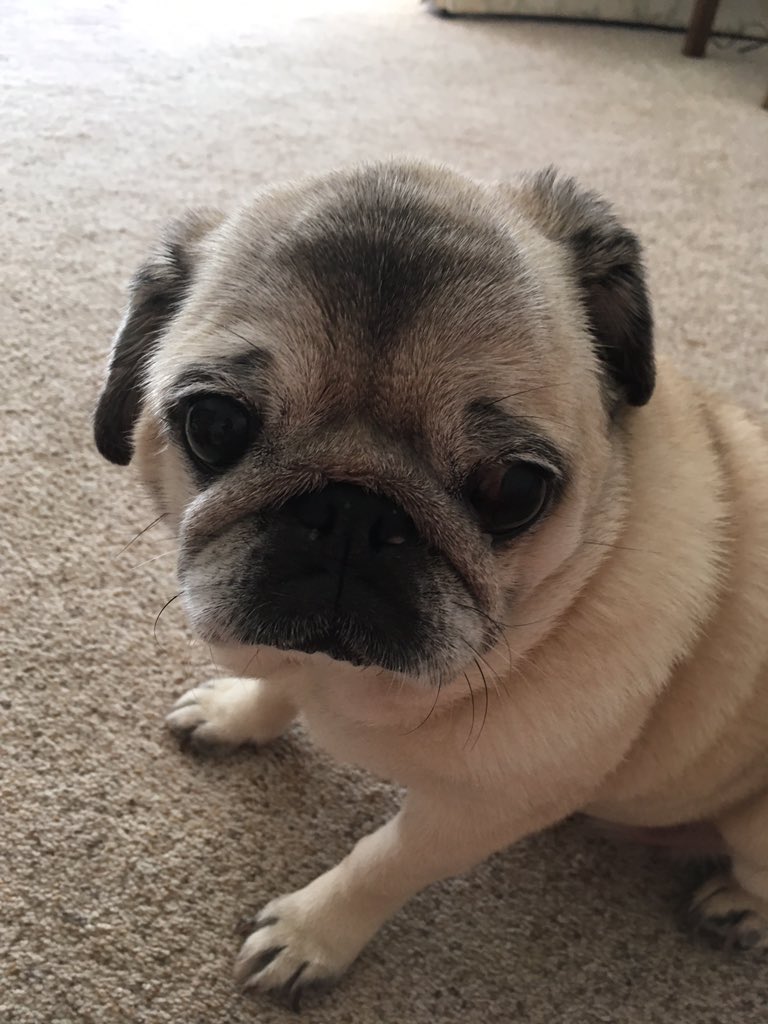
298, 946
728, 916
209, 718
227, 713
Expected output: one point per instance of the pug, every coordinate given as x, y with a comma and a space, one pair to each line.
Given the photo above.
432, 496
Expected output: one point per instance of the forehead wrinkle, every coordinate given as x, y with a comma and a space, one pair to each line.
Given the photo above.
376, 254
471, 336
422, 387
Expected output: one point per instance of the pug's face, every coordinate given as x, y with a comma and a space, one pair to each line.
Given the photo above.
380, 407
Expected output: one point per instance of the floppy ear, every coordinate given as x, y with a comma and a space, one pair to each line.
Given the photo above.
607, 263
156, 294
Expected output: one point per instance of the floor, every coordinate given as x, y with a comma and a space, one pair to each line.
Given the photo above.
127, 868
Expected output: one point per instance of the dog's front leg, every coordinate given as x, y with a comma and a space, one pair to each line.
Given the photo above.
311, 936
731, 909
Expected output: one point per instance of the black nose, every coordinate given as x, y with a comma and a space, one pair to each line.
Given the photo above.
344, 510
341, 571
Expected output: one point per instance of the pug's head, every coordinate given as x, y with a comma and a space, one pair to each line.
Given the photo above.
380, 407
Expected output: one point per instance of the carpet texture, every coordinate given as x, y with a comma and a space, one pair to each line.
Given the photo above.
127, 868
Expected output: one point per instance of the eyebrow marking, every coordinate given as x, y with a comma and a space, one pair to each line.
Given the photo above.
227, 373
525, 391
492, 428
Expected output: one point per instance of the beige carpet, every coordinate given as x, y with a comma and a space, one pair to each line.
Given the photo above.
125, 867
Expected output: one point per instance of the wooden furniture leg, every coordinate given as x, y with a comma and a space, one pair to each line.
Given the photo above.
700, 27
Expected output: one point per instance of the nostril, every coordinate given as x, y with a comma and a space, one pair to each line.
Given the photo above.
393, 528
345, 510
317, 512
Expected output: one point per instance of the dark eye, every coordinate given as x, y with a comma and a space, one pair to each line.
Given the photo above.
217, 430
509, 497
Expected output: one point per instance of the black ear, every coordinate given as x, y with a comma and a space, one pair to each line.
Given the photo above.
607, 262
156, 294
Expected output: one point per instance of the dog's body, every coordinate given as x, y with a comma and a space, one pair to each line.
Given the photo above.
385, 341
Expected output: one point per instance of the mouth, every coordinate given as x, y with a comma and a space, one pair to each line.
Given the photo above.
332, 644
345, 638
